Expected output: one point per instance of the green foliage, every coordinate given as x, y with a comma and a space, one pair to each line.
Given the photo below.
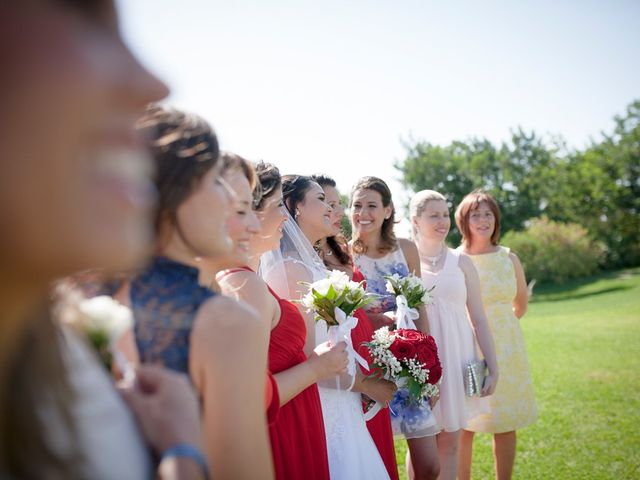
555, 252
598, 188
515, 173
100, 341
347, 299
410, 287
582, 341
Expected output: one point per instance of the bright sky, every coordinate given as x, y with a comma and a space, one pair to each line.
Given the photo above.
333, 86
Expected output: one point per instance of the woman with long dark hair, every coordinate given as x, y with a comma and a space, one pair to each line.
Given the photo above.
378, 253
334, 250
297, 435
351, 451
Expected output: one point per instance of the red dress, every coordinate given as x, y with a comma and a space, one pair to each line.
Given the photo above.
380, 425
271, 399
298, 442
297, 436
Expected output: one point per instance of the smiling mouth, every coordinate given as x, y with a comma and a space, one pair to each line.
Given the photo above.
365, 222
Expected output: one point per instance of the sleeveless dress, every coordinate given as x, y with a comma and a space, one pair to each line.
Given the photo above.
452, 330
165, 298
408, 420
379, 426
297, 436
512, 406
351, 451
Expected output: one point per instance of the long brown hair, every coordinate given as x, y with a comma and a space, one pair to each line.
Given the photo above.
337, 244
388, 241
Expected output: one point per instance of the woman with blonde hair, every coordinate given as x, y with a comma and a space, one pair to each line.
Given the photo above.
456, 321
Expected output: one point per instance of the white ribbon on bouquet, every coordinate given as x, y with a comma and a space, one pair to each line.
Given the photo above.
405, 316
342, 333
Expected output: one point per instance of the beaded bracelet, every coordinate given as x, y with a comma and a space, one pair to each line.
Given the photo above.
189, 451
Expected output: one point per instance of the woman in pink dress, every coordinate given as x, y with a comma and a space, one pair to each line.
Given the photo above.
456, 320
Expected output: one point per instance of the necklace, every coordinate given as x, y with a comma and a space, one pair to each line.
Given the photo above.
433, 260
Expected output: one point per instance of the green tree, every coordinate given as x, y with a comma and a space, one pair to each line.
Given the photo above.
516, 173
600, 189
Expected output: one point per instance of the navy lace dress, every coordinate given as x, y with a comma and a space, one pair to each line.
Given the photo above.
165, 298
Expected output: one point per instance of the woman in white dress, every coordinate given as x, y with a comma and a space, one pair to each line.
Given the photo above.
456, 320
351, 450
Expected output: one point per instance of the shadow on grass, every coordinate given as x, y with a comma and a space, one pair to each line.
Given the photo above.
559, 297
567, 290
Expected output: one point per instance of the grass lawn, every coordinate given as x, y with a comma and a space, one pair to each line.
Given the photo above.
583, 341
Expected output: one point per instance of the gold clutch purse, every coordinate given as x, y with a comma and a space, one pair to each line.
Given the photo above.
474, 378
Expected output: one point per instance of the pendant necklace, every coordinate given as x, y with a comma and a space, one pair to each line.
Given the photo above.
433, 260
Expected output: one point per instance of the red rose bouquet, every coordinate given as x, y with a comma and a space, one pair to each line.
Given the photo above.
408, 357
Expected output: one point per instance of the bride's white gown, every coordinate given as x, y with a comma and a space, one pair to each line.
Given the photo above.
352, 453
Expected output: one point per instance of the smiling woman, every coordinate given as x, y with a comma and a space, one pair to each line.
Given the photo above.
74, 194
186, 326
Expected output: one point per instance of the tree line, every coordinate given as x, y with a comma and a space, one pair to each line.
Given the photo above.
533, 177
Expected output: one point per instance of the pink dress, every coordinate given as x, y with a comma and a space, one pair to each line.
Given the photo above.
450, 326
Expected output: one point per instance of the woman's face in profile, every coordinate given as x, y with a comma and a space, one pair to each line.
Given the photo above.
75, 188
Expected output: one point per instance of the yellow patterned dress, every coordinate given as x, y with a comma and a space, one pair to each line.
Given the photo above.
512, 406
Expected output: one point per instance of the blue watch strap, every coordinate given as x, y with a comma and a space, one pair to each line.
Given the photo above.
189, 451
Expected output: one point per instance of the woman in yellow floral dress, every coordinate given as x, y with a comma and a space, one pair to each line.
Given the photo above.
505, 299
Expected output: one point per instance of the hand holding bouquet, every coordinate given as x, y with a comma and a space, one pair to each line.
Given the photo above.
408, 357
336, 291
410, 295
333, 300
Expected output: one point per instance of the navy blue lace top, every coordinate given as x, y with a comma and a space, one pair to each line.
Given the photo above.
165, 298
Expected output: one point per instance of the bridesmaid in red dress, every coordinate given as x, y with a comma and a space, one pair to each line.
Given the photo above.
297, 434
335, 256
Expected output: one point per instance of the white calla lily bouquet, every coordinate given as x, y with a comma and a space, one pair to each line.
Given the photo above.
335, 291
333, 300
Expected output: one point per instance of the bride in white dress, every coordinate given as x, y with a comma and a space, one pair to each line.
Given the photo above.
351, 451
